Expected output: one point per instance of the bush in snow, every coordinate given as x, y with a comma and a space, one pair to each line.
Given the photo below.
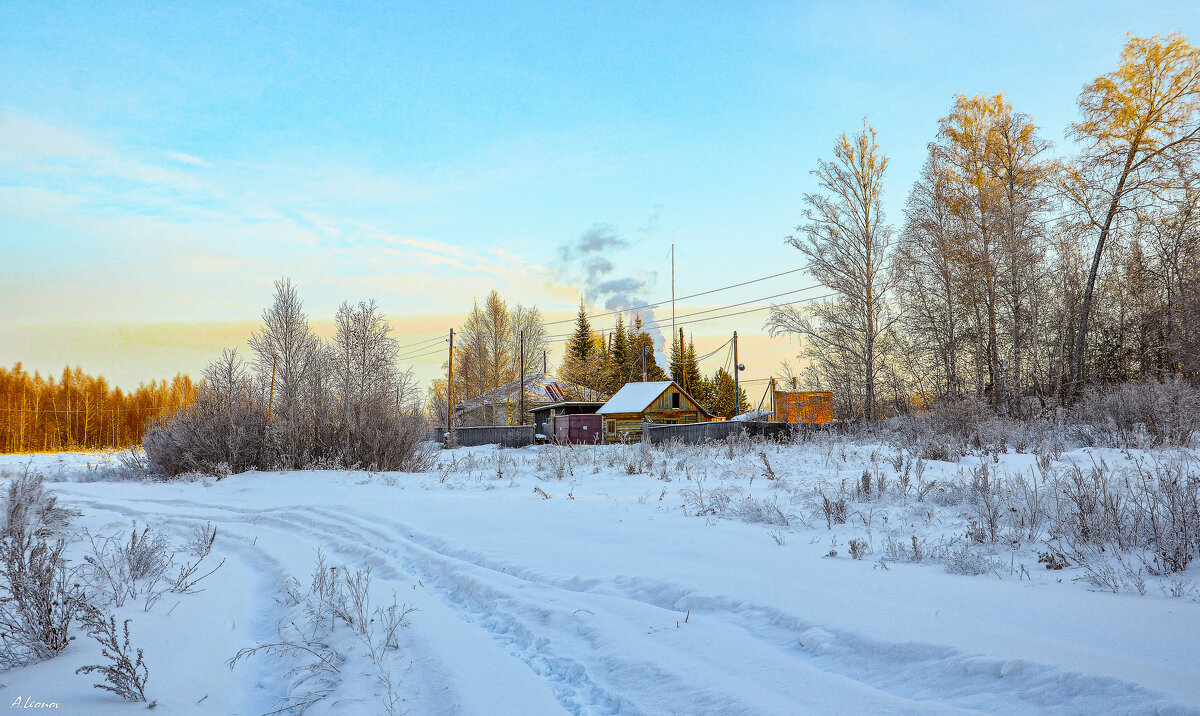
125, 674
39, 598
313, 636
1139, 413
342, 403
224, 430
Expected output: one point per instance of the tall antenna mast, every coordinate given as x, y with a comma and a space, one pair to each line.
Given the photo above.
673, 289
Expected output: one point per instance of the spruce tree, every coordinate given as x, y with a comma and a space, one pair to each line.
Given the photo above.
724, 404
639, 339
678, 364
622, 354
691, 369
581, 344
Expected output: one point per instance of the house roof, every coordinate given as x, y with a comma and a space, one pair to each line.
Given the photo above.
511, 391
635, 397
568, 404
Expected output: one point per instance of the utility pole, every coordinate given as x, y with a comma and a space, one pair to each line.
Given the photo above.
737, 369
771, 387
521, 421
545, 365
645, 350
450, 394
683, 363
673, 285
271, 398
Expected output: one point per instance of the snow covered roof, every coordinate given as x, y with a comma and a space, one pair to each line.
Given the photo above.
635, 397
752, 415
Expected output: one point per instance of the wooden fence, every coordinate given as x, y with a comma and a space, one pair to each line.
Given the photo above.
705, 432
506, 435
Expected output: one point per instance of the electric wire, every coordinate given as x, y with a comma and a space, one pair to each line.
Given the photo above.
664, 321
421, 343
681, 298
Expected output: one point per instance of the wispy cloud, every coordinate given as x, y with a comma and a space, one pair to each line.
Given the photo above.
188, 159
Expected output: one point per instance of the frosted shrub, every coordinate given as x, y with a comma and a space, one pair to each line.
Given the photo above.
224, 430
749, 509
310, 635
119, 569
959, 559
39, 598
1139, 413
126, 673
702, 500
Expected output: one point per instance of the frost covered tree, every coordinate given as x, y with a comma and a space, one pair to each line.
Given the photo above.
1137, 121
287, 347
339, 402
487, 348
223, 430
846, 241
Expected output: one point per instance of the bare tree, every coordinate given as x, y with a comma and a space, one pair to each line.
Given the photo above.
1136, 120
846, 243
926, 278
286, 346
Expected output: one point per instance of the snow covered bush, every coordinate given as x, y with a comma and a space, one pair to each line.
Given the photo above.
224, 430
302, 403
752, 510
126, 673
118, 569
327, 626
39, 598
1139, 413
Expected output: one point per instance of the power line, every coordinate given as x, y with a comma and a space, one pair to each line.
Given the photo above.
420, 343
726, 315
739, 313
681, 298
418, 350
422, 355
714, 352
711, 310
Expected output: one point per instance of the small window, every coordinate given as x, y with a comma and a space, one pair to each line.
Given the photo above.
675, 400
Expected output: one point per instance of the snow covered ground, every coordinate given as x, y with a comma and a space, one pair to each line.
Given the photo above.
549, 580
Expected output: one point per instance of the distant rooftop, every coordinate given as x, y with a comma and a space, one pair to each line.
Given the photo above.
635, 397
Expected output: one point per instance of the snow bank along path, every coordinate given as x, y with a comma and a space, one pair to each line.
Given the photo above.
606, 598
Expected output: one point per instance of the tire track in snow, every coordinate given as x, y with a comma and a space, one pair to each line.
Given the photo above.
524, 611
914, 670
269, 574
567, 679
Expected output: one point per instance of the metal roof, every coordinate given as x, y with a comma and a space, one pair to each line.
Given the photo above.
565, 403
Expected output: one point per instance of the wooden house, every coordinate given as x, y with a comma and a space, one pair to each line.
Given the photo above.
662, 402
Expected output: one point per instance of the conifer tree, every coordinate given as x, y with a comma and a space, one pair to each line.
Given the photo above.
723, 403
678, 362
639, 340
691, 369
587, 362
622, 354
581, 344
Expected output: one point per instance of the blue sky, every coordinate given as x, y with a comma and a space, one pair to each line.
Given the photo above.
161, 165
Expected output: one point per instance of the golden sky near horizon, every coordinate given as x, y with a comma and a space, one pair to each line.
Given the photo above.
128, 354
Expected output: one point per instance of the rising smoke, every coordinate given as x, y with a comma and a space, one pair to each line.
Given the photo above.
587, 260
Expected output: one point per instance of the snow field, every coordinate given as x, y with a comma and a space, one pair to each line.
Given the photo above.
612, 596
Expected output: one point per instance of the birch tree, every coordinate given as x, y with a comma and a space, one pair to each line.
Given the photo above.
846, 241
1135, 121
